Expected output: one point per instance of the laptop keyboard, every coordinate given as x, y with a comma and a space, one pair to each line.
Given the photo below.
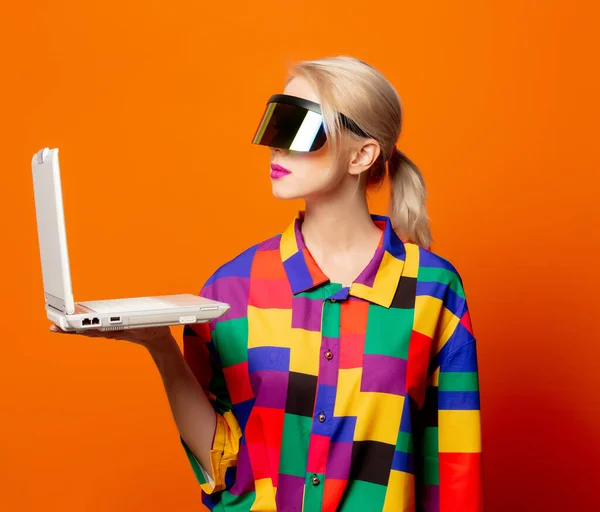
123, 305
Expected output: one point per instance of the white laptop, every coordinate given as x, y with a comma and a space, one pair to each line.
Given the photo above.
104, 315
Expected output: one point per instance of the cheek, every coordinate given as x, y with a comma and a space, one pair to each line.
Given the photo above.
315, 166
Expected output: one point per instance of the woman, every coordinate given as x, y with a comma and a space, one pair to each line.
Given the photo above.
344, 376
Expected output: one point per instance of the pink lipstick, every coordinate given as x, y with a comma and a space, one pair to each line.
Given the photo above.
277, 171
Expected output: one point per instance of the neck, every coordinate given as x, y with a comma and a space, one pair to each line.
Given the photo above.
339, 223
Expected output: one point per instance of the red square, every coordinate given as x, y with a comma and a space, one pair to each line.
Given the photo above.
354, 315
461, 486
270, 294
264, 432
272, 424
419, 355
466, 322
332, 494
268, 265
381, 225
313, 269
255, 441
317, 454
352, 347
238, 382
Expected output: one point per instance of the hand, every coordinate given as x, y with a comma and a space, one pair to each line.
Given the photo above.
153, 338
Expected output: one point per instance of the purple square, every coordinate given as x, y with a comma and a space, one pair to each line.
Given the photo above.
339, 460
269, 388
367, 276
290, 490
236, 296
270, 245
306, 313
384, 374
431, 498
244, 478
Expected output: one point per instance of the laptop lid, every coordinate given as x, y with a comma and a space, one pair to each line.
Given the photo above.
52, 236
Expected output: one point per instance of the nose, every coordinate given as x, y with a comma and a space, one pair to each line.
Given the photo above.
279, 151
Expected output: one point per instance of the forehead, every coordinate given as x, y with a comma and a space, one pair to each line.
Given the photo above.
301, 88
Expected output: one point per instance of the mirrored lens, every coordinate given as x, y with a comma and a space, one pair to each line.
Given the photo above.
290, 127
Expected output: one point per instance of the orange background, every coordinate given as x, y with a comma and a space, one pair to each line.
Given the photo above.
153, 106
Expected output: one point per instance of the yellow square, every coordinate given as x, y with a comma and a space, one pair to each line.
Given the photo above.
448, 321
427, 312
265, 496
411, 265
268, 327
305, 351
459, 431
288, 246
347, 398
386, 279
386, 407
400, 495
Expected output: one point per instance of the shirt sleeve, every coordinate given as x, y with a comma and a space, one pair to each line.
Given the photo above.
451, 429
202, 358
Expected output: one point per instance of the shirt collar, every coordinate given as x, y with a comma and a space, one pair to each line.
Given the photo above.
377, 282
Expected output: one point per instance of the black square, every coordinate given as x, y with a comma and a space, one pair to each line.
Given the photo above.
430, 408
406, 293
301, 392
371, 461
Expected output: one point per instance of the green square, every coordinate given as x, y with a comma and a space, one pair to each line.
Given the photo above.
331, 320
441, 275
404, 443
389, 331
430, 441
234, 332
321, 292
294, 444
218, 387
236, 503
364, 496
313, 494
431, 470
458, 381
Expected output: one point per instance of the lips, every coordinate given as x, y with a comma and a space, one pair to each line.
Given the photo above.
278, 171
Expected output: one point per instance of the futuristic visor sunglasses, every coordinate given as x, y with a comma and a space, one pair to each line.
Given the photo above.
296, 124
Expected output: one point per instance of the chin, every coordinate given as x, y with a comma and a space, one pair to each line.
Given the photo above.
280, 191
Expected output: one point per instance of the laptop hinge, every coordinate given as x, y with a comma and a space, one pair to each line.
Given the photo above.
55, 303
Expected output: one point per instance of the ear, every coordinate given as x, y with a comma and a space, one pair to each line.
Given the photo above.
364, 156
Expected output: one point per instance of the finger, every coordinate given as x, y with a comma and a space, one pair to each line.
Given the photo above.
56, 328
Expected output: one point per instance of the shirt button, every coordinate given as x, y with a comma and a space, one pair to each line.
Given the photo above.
329, 355
315, 480
321, 417
333, 300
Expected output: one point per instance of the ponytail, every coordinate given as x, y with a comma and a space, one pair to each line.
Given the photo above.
407, 200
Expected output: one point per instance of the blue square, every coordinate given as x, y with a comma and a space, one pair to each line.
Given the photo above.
297, 272
268, 358
343, 429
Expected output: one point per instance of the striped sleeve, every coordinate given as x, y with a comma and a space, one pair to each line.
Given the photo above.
202, 358
453, 473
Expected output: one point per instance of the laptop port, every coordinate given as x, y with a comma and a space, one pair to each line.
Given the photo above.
115, 320
86, 321
95, 321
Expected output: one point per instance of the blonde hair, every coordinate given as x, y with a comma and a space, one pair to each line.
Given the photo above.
359, 91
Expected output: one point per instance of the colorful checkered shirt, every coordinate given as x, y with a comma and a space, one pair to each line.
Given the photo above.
359, 398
